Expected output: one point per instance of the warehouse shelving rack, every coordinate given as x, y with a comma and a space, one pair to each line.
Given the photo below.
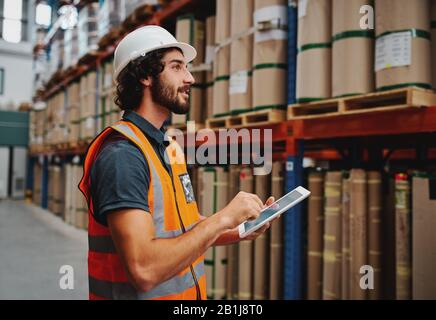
354, 138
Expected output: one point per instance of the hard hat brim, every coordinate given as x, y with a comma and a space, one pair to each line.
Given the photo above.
189, 53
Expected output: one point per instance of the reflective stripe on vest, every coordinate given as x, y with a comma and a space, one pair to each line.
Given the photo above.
103, 281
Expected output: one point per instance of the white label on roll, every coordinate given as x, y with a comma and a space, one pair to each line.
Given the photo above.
210, 54
107, 80
238, 82
393, 50
89, 123
302, 8
274, 15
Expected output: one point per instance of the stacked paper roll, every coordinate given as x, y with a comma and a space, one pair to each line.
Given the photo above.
358, 231
314, 50
241, 56
346, 259
276, 240
245, 263
402, 238
352, 49
269, 55
374, 232
209, 58
402, 44
332, 255
233, 250
261, 244
191, 30
221, 64
315, 235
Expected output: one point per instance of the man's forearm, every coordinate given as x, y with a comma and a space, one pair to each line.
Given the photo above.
171, 256
228, 237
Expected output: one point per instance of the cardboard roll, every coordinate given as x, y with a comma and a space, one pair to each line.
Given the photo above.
223, 14
417, 73
269, 88
314, 74
314, 22
192, 31
395, 15
221, 96
352, 66
403, 26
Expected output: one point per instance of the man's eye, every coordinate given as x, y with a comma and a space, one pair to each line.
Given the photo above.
177, 67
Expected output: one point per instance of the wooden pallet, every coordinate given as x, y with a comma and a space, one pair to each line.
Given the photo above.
249, 119
411, 97
183, 127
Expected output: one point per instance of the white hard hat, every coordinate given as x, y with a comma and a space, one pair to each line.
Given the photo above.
143, 40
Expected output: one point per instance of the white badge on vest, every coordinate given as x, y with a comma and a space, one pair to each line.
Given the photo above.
187, 187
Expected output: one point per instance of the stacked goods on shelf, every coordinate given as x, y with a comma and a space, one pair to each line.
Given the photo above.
221, 65
402, 237
241, 56
76, 212
315, 231
346, 258
111, 14
245, 261
105, 96
314, 50
71, 47
388, 245
73, 112
88, 99
424, 236
332, 254
276, 236
209, 58
345, 220
88, 28
191, 30
358, 231
214, 181
352, 50
37, 183
261, 244
433, 42
269, 54
375, 251
36, 128
402, 44
55, 54
56, 126
56, 191
233, 250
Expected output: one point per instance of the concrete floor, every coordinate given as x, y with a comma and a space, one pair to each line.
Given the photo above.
34, 244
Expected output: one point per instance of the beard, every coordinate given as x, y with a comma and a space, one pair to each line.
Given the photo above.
166, 96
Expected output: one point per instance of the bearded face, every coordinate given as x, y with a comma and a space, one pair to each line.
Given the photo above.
171, 96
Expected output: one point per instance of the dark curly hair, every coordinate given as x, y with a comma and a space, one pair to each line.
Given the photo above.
130, 90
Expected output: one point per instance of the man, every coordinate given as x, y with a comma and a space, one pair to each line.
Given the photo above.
146, 236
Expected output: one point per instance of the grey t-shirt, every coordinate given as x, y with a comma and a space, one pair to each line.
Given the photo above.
120, 176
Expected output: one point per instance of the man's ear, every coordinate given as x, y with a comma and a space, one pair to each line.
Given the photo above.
146, 82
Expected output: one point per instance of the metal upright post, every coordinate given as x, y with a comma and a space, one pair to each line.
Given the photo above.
44, 186
293, 233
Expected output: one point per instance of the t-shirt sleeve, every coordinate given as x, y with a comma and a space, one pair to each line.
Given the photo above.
120, 178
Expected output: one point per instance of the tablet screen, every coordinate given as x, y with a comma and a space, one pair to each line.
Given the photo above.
279, 204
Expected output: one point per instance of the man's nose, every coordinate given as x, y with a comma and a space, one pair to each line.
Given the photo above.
189, 78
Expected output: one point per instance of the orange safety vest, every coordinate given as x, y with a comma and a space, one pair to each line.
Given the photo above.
173, 214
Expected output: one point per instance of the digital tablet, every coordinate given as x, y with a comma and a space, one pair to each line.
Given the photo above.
284, 203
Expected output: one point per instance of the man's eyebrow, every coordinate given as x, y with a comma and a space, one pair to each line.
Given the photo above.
177, 61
